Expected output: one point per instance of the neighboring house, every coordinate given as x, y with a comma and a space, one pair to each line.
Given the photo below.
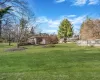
39, 40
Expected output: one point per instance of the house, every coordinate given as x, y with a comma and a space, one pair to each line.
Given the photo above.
39, 40
43, 40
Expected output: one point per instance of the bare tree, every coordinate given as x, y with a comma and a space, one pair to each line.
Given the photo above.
12, 8
7, 30
20, 14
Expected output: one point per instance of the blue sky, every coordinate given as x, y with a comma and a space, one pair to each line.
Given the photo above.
50, 13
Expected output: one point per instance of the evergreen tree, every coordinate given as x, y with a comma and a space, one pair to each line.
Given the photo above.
65, 30
2, 13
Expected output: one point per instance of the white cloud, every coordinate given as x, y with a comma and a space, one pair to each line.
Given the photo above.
94, 2
76, 21
71, 16
51, 31
42, 19
68, 16
59, 1
79, 2
54, 23
50, 22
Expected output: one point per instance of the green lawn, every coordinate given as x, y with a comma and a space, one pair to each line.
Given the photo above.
63, 62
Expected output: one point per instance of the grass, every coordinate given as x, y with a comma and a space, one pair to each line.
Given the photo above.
63, 62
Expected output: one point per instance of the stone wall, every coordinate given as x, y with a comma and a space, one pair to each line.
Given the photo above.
89, 42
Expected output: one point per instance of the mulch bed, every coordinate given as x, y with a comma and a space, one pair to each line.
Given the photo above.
16, 49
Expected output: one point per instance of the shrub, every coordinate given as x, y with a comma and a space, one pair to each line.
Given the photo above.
53, 39
51, 45
1, 40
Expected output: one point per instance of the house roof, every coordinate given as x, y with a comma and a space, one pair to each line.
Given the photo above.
39, 37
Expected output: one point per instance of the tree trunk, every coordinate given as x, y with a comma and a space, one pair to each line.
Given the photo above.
18, 37
18, 45
65, 40
18, 41
9, 40
0, 28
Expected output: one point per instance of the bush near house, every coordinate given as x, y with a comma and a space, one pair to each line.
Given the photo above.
53, 39
1, 40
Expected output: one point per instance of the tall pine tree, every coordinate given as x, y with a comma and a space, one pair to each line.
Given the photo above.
65, 30
2, 13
